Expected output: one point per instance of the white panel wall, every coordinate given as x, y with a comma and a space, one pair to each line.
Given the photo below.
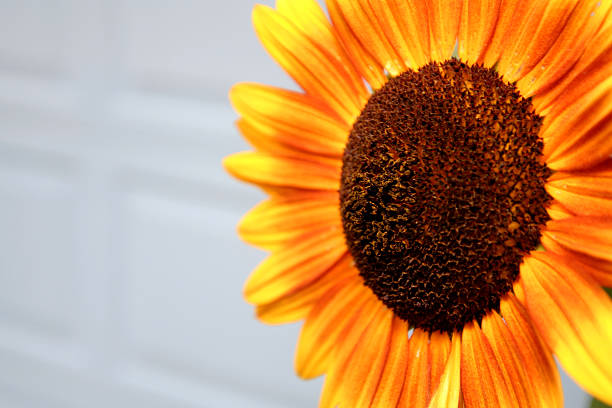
120, 272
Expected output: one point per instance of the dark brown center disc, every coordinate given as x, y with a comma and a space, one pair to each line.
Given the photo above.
442, 192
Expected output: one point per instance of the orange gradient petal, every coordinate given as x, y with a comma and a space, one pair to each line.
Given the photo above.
512, 338
392, 379
268, 170
363, 60
297, 305
478, 22
315, 67
273, 223
368, 29
581, 136
584, 193
347, 308
359, 360
538, 24
298, 120
444, 17
574, 316
585, 21
415, 392
295, 266
483, 382
591, 236
447, 392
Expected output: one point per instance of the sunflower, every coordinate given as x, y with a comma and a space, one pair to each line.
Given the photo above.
440, 197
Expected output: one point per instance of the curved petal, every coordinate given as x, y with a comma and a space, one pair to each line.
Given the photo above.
363, 60
347, 308
537, 27
580, 136
427, 358
584, 23
478, 21
593, 67
405, 28
297, 305
482, 378
444, 18
591, 236
298, 120
359, 361
598, 269
512, 338
274, 222
315, 67
392, 380
269, 170
295, 266
448, 392
574, 316
584, 193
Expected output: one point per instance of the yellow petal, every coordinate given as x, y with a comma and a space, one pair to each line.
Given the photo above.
482, 378
392, 380
297, 305
574, 316
448, 391
294, 267
588, 235
269, 170
478, 22
359, 351
346, 308
444, 17
313, 66
274, 222
584, 193
298, 120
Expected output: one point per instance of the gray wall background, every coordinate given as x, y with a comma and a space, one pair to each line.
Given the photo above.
120, 272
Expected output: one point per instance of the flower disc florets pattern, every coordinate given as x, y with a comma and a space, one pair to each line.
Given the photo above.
442, 192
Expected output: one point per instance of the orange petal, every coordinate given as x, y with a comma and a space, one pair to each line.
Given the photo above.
298, 120
416, 391
392, 380
368, 29
580, 136
273, 223
367, 362
538, 25
478, 22
406, 29
534, 355
585, 21
298, 304
598, 269
444, 17
508, 23
269, 170
347, 308
362, 59
574, 316
294, 267
448, 391
315, 67
593, 67
557, 212
482, 379
360, 359
584, 193
588, 235
531, 385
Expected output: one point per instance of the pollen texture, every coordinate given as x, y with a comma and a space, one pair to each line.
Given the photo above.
442, 192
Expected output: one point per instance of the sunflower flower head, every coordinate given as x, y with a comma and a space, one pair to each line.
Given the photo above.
442, 224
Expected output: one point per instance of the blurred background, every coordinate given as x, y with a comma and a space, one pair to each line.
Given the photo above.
120, 270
